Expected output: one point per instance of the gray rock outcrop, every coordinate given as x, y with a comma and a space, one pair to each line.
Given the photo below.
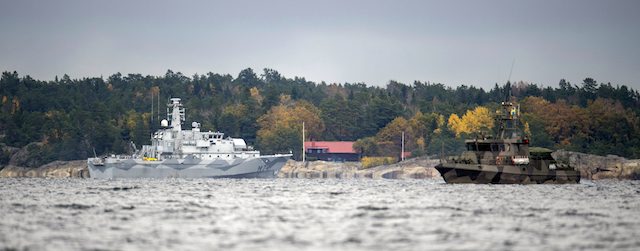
597, 167
56, 169
417, 168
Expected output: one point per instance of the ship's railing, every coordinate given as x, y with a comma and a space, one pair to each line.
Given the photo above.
113, 156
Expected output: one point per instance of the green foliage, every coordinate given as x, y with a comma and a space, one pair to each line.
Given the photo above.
5, 156
281, 127
72, 117
366, 146
342, 118
603, 127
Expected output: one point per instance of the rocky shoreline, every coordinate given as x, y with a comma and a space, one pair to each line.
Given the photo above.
56, 169
416, 168
591, 167
595, 167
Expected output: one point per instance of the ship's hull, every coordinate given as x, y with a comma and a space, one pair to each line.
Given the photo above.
508, 174
258, 167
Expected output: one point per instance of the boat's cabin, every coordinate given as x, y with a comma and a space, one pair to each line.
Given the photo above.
500, 148
487, 147
493, 151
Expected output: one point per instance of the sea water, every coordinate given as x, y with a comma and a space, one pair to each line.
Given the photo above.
315, 214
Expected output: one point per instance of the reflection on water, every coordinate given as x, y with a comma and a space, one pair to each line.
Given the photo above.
319, 214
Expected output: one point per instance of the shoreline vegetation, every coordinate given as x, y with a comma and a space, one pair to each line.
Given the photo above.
592, 167
46, 125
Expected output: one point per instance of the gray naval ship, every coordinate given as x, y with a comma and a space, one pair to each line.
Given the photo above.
506, 158
177, 153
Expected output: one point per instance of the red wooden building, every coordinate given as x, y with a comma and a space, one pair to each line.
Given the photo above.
338, 151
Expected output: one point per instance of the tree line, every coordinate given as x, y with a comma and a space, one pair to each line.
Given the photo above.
65, 119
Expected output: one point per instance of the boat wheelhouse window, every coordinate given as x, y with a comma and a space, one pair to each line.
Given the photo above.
479, 147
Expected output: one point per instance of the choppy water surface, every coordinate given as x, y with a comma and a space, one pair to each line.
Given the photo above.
292, 214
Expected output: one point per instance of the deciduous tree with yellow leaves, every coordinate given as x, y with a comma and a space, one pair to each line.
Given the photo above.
473, 121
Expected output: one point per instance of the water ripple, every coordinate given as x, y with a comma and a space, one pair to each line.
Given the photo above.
320, 214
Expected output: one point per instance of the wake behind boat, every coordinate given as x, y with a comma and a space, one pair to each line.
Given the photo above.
191, 153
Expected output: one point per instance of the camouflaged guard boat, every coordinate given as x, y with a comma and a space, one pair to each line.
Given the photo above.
507, 158
191, 153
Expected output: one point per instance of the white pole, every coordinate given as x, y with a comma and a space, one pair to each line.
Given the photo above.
303, 150
158, 104
151, 109
402, 153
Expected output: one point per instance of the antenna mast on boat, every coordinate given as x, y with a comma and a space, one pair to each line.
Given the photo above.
157, 111
151, 107
511, 71
508, 92
509, 117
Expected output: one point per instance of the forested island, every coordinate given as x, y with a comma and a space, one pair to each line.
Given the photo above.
72, 119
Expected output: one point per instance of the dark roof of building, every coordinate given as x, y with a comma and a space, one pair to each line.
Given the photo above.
331, 146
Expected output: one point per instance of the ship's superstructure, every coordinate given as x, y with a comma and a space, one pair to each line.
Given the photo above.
188, 153
505, 158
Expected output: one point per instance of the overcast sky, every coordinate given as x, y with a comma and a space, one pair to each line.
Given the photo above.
450, 42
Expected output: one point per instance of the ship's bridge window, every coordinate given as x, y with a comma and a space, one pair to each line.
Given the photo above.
479, 147
484, 147
497, 147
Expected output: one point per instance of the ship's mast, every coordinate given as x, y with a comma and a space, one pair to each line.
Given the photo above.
508, 118
177, 115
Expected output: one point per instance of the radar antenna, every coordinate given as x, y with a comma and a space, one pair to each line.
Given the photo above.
507, 97
511, 71
508, 118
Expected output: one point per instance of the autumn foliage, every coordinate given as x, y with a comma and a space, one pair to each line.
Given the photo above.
419, 131
473, 121
73, 118
281, 127
604, 125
